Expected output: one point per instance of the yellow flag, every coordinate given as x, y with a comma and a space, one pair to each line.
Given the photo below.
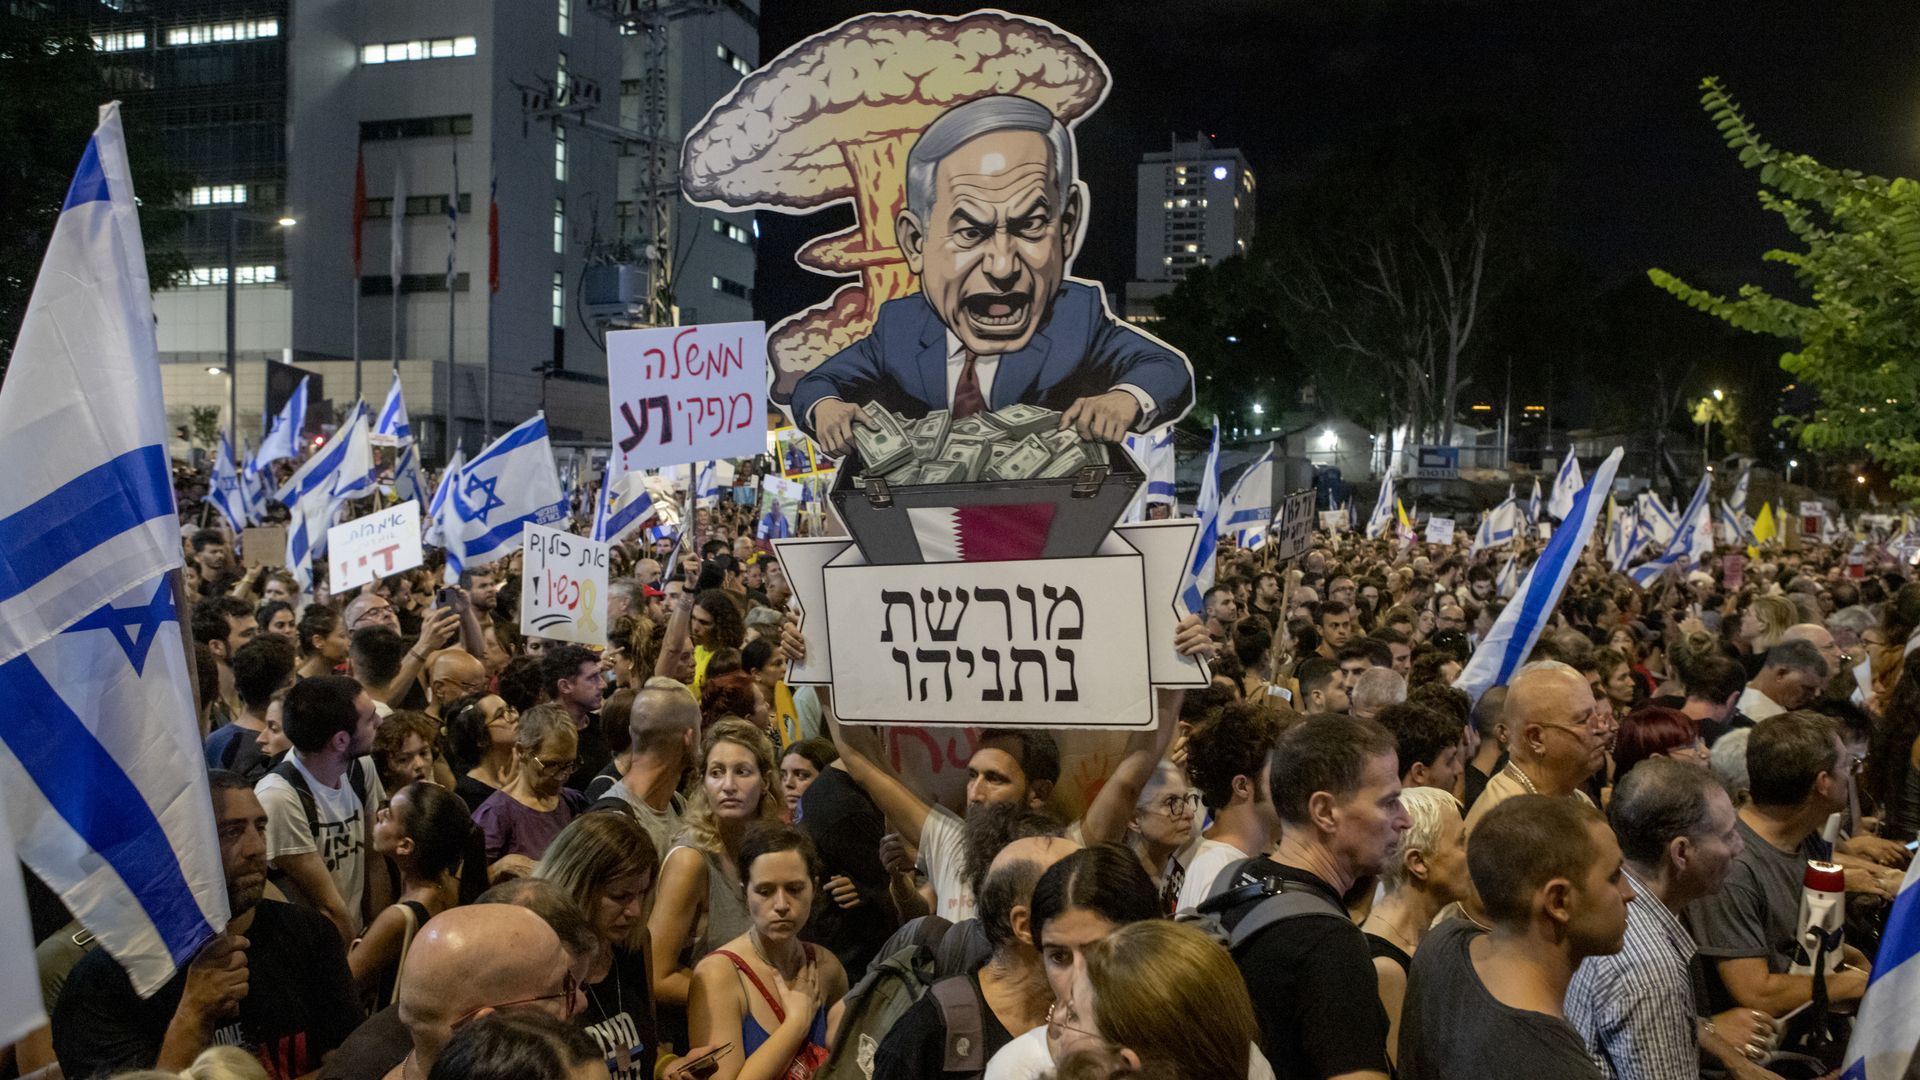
1764, 529
1402, 508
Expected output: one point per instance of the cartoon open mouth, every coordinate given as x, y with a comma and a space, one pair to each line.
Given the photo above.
997, 314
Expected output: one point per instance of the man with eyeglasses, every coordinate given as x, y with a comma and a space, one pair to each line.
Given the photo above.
1799, 772
993, 218
274, 983
1559, 738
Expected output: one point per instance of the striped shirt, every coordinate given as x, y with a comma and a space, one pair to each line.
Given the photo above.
1635, 1009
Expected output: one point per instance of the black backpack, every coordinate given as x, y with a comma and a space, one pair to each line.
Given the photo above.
1275, 900
288, 771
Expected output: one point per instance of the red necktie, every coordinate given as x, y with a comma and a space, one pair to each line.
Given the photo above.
967, 399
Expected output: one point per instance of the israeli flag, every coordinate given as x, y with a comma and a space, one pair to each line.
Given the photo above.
1249, 503
282, 440
433, 530
223, 489
1624, 537
1696, 524
393, 428
510, 483
1498, 526
1513, 635
101, 772
625, 504
1200, 574
342, 470
1155, 454
407, 482
1533, 504
1657, 523
1565, 486
1508, 580
1888, 1029
1382, 517
255, 486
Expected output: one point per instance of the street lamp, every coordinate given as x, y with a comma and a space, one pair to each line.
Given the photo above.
1717, 395
233, 302
1791, 465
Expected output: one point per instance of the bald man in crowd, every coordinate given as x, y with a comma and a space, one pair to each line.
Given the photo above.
469, 961
451, 675
1558, 738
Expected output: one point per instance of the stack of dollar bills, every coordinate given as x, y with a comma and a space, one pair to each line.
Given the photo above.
1019, 442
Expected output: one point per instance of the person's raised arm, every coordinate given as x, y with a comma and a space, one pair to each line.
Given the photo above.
1107, 816
676, 907
679, 627
862, 753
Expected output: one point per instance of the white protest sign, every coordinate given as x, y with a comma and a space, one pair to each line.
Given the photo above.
371, 547
681, 394
1439, 530
1293, 530
992, 643
563, 586
1333, 521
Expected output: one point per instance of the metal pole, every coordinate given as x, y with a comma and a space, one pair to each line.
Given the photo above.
233, 375
357, 392
446, 435
486, 382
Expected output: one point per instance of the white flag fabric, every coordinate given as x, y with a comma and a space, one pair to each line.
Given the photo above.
223, 488
393, 427
510, 483
1248, 506
1623, 539
1382, 517
625, 504
1565, 485
1887, 1030
102, 775
1533, 504
1657, 524
1155, 455
282, 439
20, 1009
1200, 575
341, 470
434, 530
1514, 634
407, 482
1696, 523
1498, 526
1508, 581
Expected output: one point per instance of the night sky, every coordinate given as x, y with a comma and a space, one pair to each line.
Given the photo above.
1641, 177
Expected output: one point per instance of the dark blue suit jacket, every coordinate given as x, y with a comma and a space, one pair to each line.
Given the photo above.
1079, 351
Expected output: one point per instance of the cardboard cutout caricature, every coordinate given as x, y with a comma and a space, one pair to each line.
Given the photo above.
976, 392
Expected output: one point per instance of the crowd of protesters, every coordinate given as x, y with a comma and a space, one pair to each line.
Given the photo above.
455, 851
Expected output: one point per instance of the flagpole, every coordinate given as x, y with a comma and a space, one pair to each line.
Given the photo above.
453, 234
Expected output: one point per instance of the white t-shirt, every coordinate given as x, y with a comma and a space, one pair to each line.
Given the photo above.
1209, 858
1027, 1058
661, 825
344, 835
943, 841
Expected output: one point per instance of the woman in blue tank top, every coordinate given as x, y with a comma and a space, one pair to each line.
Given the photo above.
766, 991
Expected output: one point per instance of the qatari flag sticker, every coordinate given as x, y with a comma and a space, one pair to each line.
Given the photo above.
1002, 533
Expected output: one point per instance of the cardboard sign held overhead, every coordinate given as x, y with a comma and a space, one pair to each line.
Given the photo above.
372, 547
681, 394
563, 588
1439, 530
263, 545
1293, 532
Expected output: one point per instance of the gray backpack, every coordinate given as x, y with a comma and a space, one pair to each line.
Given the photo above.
1275, 900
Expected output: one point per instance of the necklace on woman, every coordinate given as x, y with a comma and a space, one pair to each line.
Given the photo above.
1394, 933
619, 994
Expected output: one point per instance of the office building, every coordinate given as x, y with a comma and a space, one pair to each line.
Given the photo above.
271, 104
1194, 206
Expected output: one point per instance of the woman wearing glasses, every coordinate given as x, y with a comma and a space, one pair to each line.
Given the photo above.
1161, 999
606, 862
701, 902
480, 729
1079, 900
766, 991
522, 818
1163, 825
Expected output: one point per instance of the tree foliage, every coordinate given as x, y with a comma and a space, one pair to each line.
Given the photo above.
1856, 333
51, 84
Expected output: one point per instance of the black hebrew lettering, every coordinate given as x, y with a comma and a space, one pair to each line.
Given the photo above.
890, 597
1063, 596
965, 655
1072, 692
938, 628
1033, 609
997, 596
997, 693
900, 657
1028, 656
928, 656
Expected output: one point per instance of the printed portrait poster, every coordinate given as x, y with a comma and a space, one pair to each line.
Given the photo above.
978, 417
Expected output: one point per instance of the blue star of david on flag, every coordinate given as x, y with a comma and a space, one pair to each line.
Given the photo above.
483, 485
133, 627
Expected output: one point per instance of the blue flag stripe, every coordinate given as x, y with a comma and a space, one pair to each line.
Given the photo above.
497, 535
40, 539
528, 433
91, 792
89, 180
1565, 545
1902, 940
